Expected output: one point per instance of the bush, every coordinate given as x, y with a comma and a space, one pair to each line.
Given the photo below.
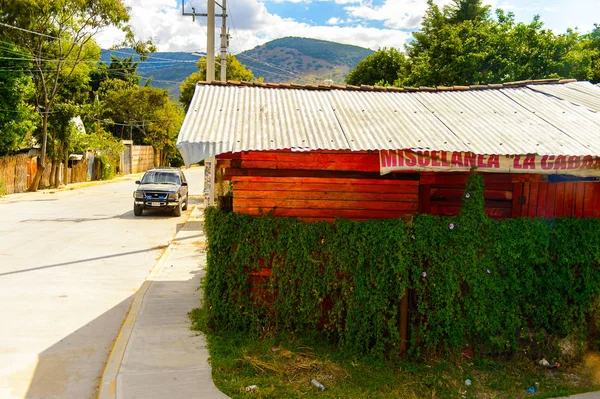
107, 168
477, 282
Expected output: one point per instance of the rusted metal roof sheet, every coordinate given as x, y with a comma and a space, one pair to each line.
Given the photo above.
510, 119
580, 93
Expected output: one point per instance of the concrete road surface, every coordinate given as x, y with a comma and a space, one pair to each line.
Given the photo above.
70, 262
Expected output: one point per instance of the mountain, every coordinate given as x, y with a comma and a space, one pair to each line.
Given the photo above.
166, 70
302, 60
290, 59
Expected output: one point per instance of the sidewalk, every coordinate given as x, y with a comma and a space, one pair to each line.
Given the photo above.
156, 354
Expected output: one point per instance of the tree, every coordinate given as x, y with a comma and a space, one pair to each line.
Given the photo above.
381, 68
479, 50
58, 34
151, 116
583, 57
17, 117
119, 68
467, 10
235, 71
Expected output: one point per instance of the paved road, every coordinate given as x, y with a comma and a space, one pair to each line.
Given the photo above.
70, 263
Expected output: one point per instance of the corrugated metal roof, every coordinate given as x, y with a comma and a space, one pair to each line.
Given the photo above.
520, 120
579, 93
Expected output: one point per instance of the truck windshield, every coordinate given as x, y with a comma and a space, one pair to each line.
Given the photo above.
160, 178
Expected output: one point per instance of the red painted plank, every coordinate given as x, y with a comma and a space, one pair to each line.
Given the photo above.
325, 213
526, 178
323, 165
292, 179
312, 157
568, 209
324, 195
424, 198
534, 189
560, 200
444, 210
578, 194
588, 200
487, 204
458, 193
516, 204
542, 200
525, 201
232, 172
596, 212
550, 200
498, 213
397, 188
458, 178
318, 204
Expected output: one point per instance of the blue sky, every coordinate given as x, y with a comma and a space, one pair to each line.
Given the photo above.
366, 23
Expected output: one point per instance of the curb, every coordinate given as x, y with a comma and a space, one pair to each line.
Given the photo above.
108, 381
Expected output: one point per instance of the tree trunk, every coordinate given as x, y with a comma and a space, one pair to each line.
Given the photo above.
66, 169
35, 182
53, 174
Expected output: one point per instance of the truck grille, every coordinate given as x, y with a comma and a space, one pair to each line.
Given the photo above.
154, 196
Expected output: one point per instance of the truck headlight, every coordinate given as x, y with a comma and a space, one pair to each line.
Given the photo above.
173, 196
138, 194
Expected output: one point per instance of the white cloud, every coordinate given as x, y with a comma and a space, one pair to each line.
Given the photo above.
396, 14
334, 21
162, 21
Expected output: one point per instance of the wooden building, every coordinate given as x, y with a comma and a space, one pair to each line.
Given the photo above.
321, 152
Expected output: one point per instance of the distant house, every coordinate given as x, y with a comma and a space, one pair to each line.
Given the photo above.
320, 152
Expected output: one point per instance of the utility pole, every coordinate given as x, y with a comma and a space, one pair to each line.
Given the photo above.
210, 39
224, 41
210, 44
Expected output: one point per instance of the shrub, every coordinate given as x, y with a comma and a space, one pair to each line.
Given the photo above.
477, 282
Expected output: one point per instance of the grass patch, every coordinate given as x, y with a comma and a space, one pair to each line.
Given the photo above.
282, 367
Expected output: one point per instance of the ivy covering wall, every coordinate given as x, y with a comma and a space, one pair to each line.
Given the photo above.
474, 281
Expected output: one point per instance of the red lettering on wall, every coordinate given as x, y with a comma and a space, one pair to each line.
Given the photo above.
423, 158
574, 162
588, 162
529, 162
481, 161
494, 161
389, 158
517, 162
435, 159
411, 160
561, 162
547, 162
456, 159
445, 159
470, 159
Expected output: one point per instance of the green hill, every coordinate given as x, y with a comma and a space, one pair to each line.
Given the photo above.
290, 59
302, 60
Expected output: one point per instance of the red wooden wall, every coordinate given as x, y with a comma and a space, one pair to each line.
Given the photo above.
543, 199
322, 185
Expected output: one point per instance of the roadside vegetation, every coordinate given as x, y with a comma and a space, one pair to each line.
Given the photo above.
286, 300
283, 367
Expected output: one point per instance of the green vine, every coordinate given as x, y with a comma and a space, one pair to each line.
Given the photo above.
477, 282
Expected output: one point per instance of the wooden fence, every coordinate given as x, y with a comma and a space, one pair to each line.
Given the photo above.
13, 173
17, 171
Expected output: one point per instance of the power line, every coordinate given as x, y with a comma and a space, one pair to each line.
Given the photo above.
299, 77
